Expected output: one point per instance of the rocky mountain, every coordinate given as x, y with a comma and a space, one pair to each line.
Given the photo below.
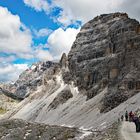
106, 53
92, 86
31, 79
34, 77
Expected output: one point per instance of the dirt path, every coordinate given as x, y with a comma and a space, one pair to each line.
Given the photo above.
128, 131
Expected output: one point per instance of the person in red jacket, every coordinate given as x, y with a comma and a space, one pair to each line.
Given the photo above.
131, 115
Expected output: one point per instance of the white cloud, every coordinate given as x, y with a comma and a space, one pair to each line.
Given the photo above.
38, 5
14, 36
60, 41
42, 32
43, 55
7, 59
83, 10
10, 72
26, 56
131, 7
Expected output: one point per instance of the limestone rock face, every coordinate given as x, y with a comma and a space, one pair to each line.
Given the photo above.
64, 61
106, 53
37, 75
61, 98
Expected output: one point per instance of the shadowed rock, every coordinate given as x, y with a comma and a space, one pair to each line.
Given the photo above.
62, 97
106, 53
9, 94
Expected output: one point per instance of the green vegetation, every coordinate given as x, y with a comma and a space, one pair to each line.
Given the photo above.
2, 111
13, 101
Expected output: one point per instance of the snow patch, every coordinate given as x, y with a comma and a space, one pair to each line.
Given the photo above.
86, 132
69, 126
59, 80
103, 124
33, 67
74, 90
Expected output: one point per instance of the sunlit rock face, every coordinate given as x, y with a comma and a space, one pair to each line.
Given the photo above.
37, 75
106, 53
64, 61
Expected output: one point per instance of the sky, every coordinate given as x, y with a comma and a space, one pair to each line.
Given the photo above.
41, 30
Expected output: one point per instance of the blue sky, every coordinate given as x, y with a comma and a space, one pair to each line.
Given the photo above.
31, 19
38, 35
41, 30
29, 16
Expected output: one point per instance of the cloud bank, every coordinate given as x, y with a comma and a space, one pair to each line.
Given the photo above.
15, 38
38, 5
60, 41
84, 10
10, 72
16, 43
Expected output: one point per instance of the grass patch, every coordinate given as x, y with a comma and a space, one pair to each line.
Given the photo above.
2, 111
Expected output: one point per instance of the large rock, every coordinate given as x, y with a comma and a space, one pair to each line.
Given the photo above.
64, 61
106, 53
62, 98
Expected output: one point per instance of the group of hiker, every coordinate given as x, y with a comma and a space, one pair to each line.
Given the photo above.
132, 117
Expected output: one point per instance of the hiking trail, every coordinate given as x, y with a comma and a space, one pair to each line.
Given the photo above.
128, 131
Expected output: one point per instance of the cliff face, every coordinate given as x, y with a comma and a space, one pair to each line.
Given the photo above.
37, 75
106, 53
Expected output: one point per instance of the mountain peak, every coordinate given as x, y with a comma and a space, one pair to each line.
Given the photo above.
104, 53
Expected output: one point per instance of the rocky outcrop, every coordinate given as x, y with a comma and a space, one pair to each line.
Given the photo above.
62, 98
34, 77
64, 61
10, 95
106, 53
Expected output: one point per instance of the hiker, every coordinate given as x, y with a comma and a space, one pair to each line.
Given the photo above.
137, 122
131, 115
122, 117
126, 116
118, 120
